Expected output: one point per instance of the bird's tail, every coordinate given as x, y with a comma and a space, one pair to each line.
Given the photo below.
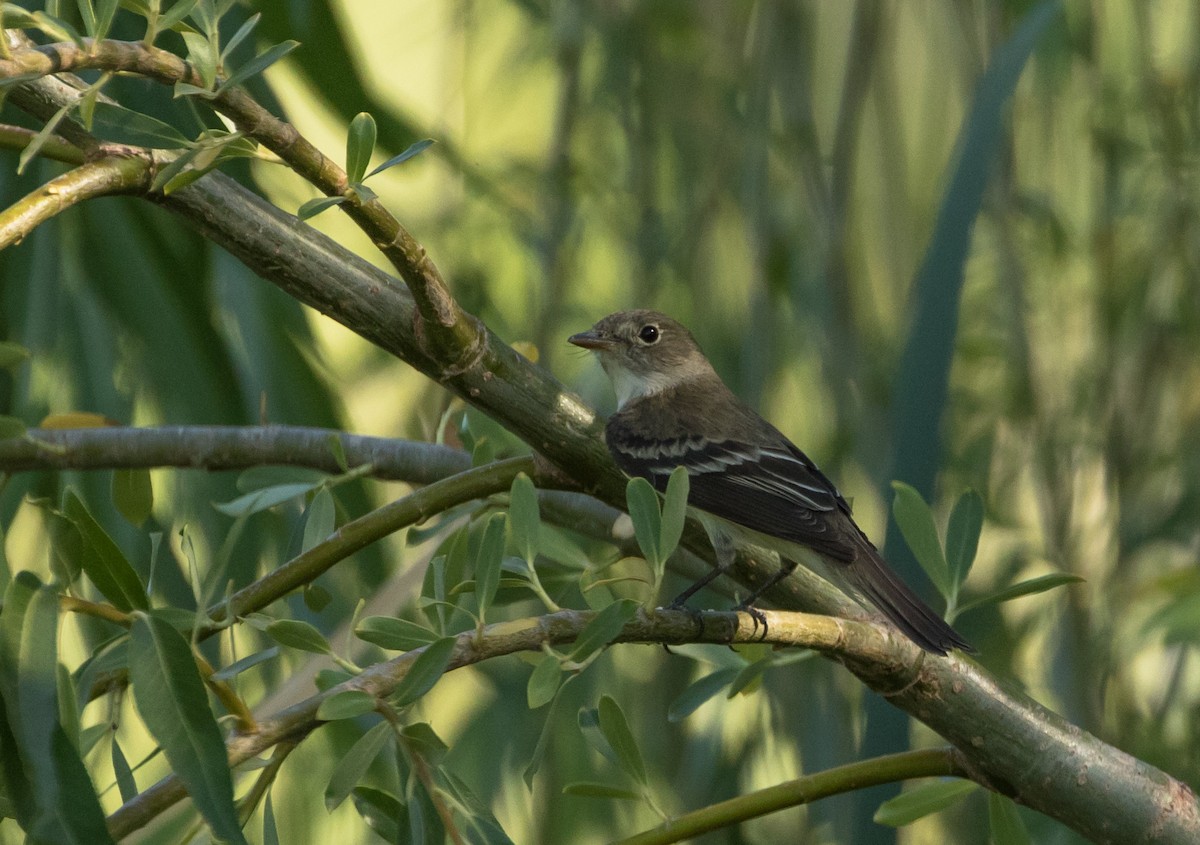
875, 581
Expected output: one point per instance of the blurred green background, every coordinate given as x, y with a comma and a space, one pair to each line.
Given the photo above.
770, 173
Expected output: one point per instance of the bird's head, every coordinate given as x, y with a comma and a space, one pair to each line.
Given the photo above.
644, 352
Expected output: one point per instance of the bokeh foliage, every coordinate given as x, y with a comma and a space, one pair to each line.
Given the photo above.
770, 173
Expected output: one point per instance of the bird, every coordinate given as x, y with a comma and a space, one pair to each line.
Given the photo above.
747, 481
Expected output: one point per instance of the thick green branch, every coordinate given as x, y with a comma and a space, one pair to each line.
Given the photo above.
116, 175
892, 768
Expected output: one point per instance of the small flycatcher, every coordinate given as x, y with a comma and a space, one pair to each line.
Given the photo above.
747, 481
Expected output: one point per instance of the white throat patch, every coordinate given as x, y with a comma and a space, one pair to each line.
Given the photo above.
629, 385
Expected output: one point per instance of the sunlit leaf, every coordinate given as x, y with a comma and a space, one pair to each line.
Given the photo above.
674, 510
394, 634
258, 64
425, 671
314, 207
621, 739
360, 143
347, 704
174, 705
642, 504
525, 517
133, 494
603, 628
408, 153
923, 800
295, 633
916, 523
488, 560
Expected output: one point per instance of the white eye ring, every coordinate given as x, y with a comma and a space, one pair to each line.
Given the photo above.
649, 334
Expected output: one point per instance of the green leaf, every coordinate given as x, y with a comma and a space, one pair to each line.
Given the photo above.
1024, 588
543, 682
408, 153
488, 560
698, 692
124, 775
294, 633
603, 628
12, 355
261, 500
314, 207
103, 561
962, 536
422, 738
133, 494
394, 634
179, 10
238, 37
360, 144
621, 739
589, 789
39, 140
174, 705
250, 661
524, 517
257, 65
319, 519
674, 510
642, 504
105, 10
316, 597
916, 524
125, 126
256, 478
354, 764
11, 427
347, 704
383, 813
923, 800
202, 56
425, 671
1005, 822
270, 833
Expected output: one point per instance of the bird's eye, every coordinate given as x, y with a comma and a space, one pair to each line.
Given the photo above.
649, 334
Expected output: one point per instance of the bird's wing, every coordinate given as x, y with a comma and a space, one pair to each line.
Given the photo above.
772, 489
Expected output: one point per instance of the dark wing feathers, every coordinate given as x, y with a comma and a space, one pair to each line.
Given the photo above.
775, 491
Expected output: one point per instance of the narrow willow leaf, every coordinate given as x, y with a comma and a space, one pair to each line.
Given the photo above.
1024, 588
603, 628
12, 355
270, 833
117, 123
174, 705
315, 206
962, 536
347, 704
261, 500
39, 140
257, 478
674, 510
698, 692
354, 764
1005, 822
425, 671
124, 775
422, 738
543, 682
238, 37
295, 633
179, 10
360, 144
916, 524
620, 738
257, 65
923, 800
642, 504
408, 153
103, 560
525, 518
319, 519
590, 789
488, 560
383, 813
248, 662
543, 743
202, 56
105, 11
68, 705
133, 494
394, 634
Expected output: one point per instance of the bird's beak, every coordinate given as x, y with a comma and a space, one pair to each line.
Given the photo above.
591, 340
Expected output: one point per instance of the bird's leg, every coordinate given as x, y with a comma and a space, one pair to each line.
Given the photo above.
786, 568
725, 550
